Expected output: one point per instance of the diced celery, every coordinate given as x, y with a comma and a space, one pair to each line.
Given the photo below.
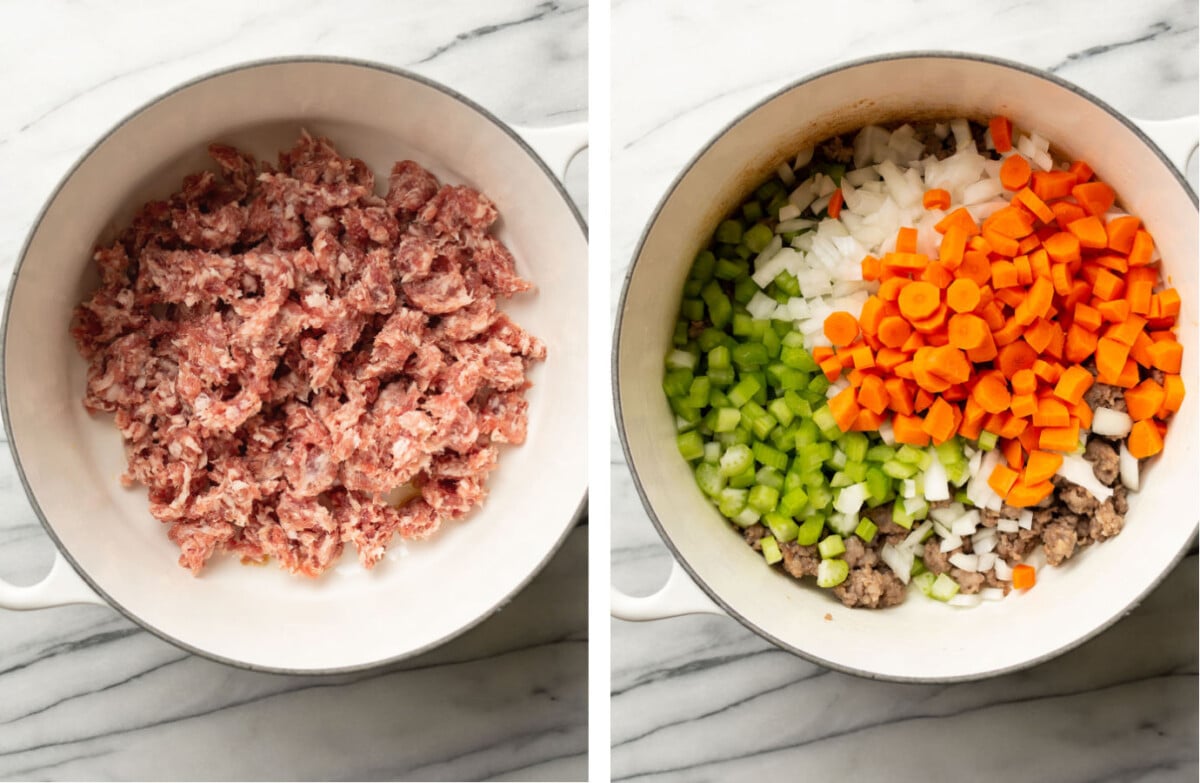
831, 573
743, 325
770, 341
900, 516
719, 358
690, 444
725, 419
757, 237
878, 485
683, 410
747, 518
677, 382
769, 477
987, 440
744, 391
831, 546
840, 479
699, 390
762, 426
943, 588
794, 500
788, 284
763, 499
702, 267
842, 524
710, 479
679, 337
721, 376
770, 550
838, 459
770, 456
795, 357
910, 456
806, 434
918, 567
950, 453
716, 397
737, 459
898, 470
732, 501
744, 289
924, 581
823, 418
729, 232
720, 309
880, 453
819, 385
857, 471
752, 211
866, 530
712, 452
746, 478
784, 438
792, 480
810, 530
819, 497
730, 268
692, 310
782, 527
750, 356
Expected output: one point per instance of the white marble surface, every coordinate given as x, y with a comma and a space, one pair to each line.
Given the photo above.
84, 694
702, 698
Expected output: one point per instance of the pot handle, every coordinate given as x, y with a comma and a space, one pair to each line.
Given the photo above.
1176, 138
61, 586
679, 596
556, 145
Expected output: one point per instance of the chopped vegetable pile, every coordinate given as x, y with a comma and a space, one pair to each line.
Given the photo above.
907, 360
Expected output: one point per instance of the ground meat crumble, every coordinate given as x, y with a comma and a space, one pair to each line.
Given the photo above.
282, 349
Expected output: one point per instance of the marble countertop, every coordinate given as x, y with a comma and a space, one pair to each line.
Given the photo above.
85, 694
701, 698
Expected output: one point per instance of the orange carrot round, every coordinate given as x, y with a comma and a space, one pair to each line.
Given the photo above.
841, 328
967, 331
936, 198
963, 295
919, 299
1015, 172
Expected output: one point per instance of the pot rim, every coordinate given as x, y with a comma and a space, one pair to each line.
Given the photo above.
499, 602
616, 370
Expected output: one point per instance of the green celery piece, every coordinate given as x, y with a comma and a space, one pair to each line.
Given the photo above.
831, 546
725, 419
831, 573
943, 588
900, 516
744, 289
757, 237
721, 376
987, 440
770, 341
743, 325
744, 391
690, 444
729, 232
702, 267
823, 418
924, 581
752, 211
763, 499
712, 452
878, 453
878, 485
730, 268
840, 479
866, 530
732, 501
719, 358
769, 477
692, 309
781, 411
710, 338
699, 390
857, 471
787, 283
855, 445
736, 460
679, 337
793, 501
770, 456
677, 383
745, 479
720, 309
770, 550
781, 527
810, 530
898, 470
750, 356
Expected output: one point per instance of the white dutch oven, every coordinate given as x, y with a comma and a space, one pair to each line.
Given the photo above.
920, 640
263, 618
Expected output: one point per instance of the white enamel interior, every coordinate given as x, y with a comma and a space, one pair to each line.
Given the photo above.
261, 616
920, 639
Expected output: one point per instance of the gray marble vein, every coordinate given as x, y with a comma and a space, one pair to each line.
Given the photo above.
84, 694
704, 699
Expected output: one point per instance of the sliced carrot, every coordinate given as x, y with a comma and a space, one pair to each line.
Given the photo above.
1089, 231
844, 408
906, 240
1088, 317
1142, 251
1121, 231
939, 421
1062, 247
1013, 456
1051, 413
1023, 495
954, 245
959, 217
1066, 212
1024, 382
1052, 184
1080, 343
1002, 479
1082, 171
976, 267
1172, 395
1041, 335
991, 393
832, 367
1108, 286
1041, 465
933, 323
1144, 440
1116, 310
1065, 439
908, 429
1001, 244
841, 328
967, 331
1004, 275
1096, 197
936, 198
1127, 330
1010, 222
871, 267
1030, 201
1001, 130
1073, 384
919, 300
900, 395
1110, 357
887, 359
1015, 172
867, 421
963, 295
1015, 356
835, 203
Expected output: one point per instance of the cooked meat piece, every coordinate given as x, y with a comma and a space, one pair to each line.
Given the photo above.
799, 561
988, 517
1120, 499
1105, 460
837, 150
1156, 375
941, 504
1101, 395
1107, 522
871, 589
754, 535
1059, 539
1009, 512
1014, 546
935, 559
968, 581
1075, 497
991, 580
858, 555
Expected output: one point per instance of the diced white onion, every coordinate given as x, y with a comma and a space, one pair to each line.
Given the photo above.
913, 540
966, 524
1079, 471
1025, 520
965, 562
787, 212
947, 514
992, 594
785, 173
1129, 470
966, 600
937, 485
899, 559
950, 543
851, 498
1008, 525
986, 561
1111, 423
803, 158
1002, 570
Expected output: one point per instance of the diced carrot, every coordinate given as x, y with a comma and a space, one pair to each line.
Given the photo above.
1145, 400
1143, 250
1023, 576
1065, 439
1023, 495
906, 240
887, 359
962, 296
954, 245
1041, 335
867, 421
991, 393
1138, 293
870, 268
1015, 172
1110, 357
832, 367
959, 217
1089, 231
1001, 130
1172, 395
1088, 317
1000, 244
939, 421
1062, 247
1051, 413
919, 300
1121, 232
1066, 212
1048, 371
1082, 171
1015, 356
908, 429
936, 198
1024, 382
1116, 310
1144, 440
1035, 205
1052, 184
844, 408
1167, 355
1112, 262
1108, 286
1073, 384
984, 352
1002, 479
1004, 275
1096, 197
900, 395
1127, 330
1041, 465
841, 328
1024, 270
863, 357
976, 267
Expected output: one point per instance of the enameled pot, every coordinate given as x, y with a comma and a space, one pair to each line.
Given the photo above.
920, 640
264, 618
